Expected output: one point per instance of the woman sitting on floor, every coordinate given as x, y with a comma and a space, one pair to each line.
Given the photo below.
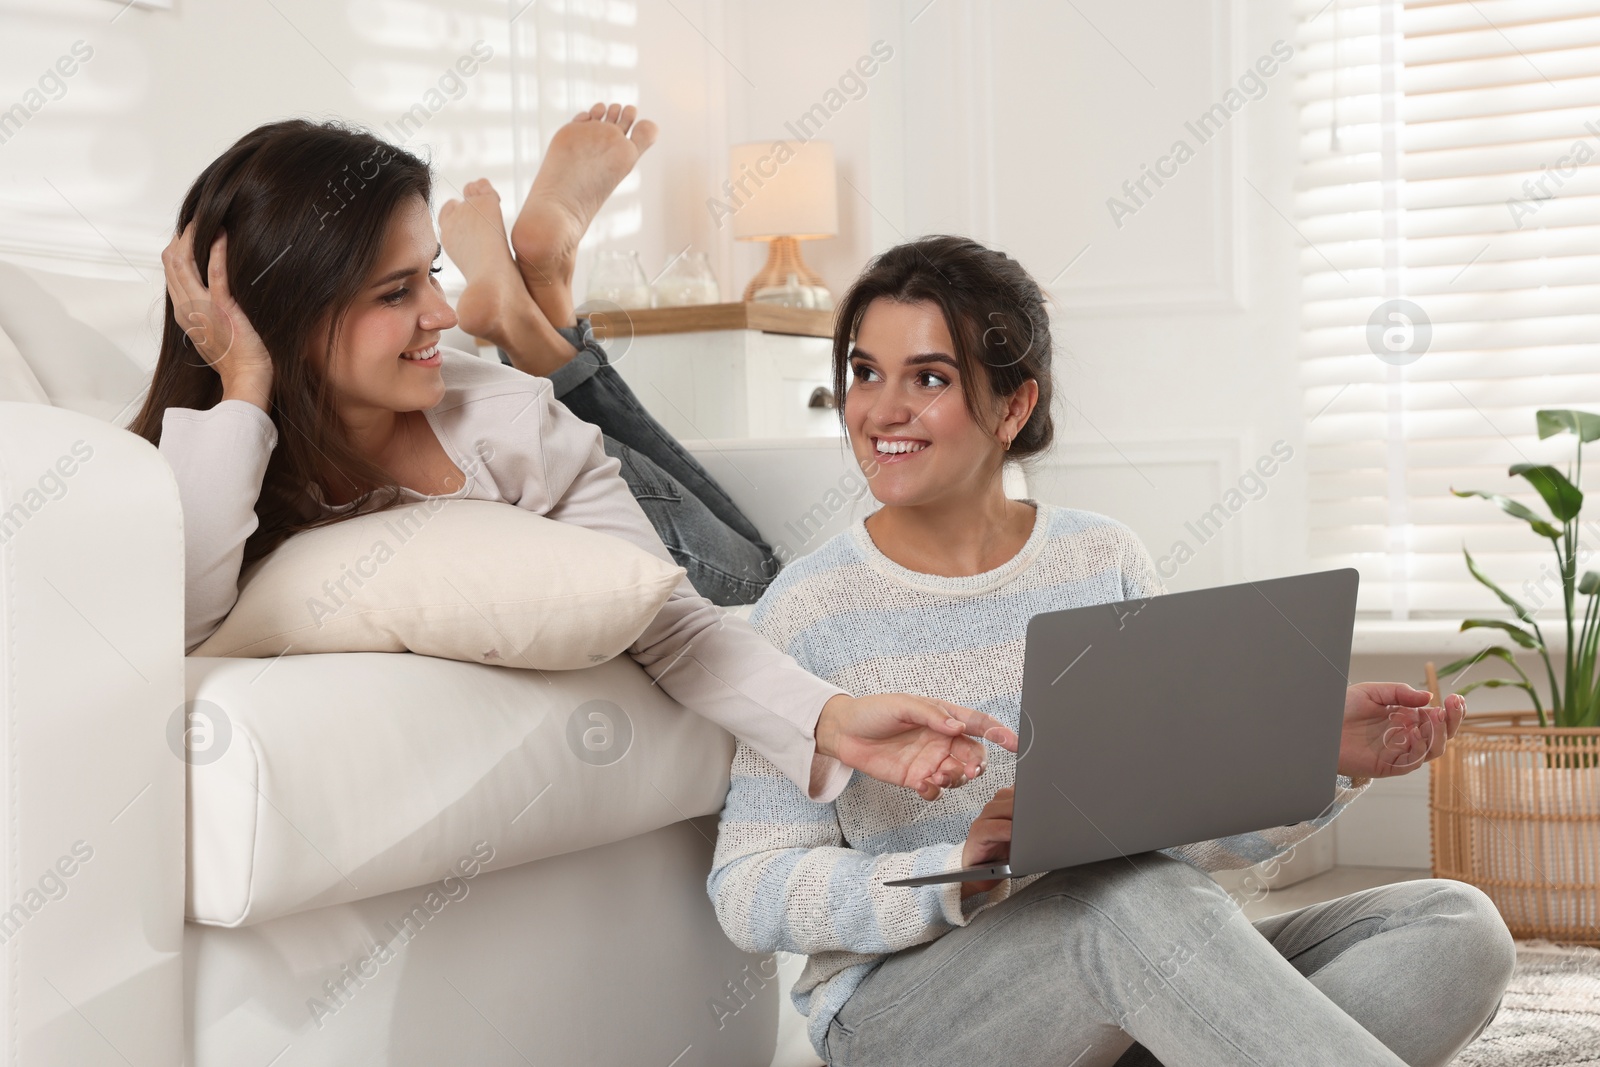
946, 348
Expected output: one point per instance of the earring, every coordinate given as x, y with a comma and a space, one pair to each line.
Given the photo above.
1008, 442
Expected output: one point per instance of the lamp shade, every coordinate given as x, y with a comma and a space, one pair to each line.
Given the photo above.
783, 189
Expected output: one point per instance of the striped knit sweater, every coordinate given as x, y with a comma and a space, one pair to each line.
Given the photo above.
794, 875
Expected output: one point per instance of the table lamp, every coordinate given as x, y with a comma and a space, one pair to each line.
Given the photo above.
786, 195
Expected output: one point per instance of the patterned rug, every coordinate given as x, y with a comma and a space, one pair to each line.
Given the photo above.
1551, 1013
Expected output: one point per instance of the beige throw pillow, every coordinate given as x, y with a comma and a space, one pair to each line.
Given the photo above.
473, 580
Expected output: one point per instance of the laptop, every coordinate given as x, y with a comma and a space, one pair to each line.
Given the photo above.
1180, 718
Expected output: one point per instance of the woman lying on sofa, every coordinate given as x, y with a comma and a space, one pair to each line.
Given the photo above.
946, 349
300, 354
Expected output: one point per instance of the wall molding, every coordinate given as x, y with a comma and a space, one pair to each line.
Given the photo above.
1143, 459
1224, 291
956, 41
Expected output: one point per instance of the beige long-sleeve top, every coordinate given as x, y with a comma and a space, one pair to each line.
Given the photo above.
519, 445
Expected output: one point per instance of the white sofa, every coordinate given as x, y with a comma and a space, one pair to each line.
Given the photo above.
378, 859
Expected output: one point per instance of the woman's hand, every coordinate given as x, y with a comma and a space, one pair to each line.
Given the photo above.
1389, 730
989, 840
213, 322
909, 740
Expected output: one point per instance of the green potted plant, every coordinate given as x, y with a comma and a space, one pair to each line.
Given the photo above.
1575, 692
1515, 807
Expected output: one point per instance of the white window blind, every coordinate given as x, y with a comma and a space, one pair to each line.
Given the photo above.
1450, 157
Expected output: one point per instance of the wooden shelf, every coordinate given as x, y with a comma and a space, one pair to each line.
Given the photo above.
694, 318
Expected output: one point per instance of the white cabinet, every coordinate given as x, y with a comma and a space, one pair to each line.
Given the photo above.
722, 371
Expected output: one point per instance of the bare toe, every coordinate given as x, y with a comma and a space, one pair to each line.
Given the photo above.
480, 187
613, 112
625, 120
644, 134
598, 112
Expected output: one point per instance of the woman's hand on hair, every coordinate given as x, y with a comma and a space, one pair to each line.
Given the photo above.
910, 741
213, 322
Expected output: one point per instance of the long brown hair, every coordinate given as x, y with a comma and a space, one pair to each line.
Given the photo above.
993, 308
306, 207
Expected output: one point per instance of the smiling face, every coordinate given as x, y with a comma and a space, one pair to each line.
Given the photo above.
907, 416
388, 350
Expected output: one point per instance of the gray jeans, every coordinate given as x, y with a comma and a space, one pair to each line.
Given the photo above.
1146, 960
705, 532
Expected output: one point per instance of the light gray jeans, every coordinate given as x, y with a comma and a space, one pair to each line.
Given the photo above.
1146, 960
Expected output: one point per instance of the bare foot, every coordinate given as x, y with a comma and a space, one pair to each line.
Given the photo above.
495, 305
586, 159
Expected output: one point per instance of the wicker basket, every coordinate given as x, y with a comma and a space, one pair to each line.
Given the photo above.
1515, 811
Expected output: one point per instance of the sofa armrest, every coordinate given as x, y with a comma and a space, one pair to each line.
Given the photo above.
91, 675
798, 491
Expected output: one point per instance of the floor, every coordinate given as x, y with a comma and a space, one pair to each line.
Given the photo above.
1327, 886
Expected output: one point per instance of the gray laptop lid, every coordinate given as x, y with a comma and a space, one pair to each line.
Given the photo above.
1180, 718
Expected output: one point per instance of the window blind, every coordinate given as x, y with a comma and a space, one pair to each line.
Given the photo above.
1449, 200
